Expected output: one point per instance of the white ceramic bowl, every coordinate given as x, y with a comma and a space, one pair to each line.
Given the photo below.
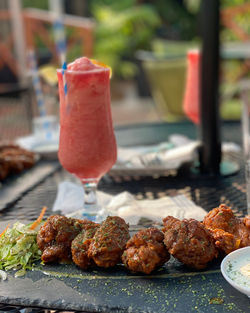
230, 268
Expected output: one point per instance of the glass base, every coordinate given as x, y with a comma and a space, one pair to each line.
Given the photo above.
90, 200
89, 180
90, 206
91, 216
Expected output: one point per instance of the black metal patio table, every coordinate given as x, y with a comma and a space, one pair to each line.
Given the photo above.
173, 288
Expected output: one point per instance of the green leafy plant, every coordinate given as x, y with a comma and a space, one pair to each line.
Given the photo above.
241, 19
39, 4
120, 33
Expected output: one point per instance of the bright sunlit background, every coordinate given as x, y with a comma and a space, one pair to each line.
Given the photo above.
145, 43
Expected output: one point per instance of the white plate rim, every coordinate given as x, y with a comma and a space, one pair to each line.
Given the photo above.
231, 256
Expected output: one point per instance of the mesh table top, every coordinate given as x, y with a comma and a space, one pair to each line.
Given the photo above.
207, 192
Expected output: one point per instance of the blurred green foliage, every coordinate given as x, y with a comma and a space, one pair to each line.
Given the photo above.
39, 4
243, 20
122, 28
113, 4
230, 3
179, 22
192, 5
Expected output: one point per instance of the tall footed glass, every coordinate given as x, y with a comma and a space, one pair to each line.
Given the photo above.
191, 102
87, 146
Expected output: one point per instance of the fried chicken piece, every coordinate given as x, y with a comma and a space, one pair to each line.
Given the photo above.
80, 246
145, 251
109, 242
246, 221
4, 169
221, 218
225, 241
55, 236
14, 159
189, 242
244, 231
18, 159
6, 144
229, 232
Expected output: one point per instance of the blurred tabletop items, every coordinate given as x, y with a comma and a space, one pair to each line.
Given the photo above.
179, 92
177, 192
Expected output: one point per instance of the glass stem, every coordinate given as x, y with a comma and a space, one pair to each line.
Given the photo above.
90, 198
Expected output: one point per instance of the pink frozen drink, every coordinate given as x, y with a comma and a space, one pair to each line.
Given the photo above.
87, 146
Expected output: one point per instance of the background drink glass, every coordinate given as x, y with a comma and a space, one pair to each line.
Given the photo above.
191, 103
87, 145
46, 127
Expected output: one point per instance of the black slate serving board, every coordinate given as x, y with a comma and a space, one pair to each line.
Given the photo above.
172, 288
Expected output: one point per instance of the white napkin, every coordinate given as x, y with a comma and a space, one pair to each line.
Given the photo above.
128, 153
171, 154
70, 197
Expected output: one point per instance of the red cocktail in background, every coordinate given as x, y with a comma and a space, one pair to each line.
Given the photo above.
192, 90
87, 146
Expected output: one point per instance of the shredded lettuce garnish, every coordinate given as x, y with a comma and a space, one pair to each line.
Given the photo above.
18, 248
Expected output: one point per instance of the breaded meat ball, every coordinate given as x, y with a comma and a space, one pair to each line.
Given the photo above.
229, 232
109, 242
189, 242
145, 251
55, 236
80, 246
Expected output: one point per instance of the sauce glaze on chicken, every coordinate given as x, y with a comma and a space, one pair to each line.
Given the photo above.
56, 235
228, 231
189, 242
193, 243
145, 251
